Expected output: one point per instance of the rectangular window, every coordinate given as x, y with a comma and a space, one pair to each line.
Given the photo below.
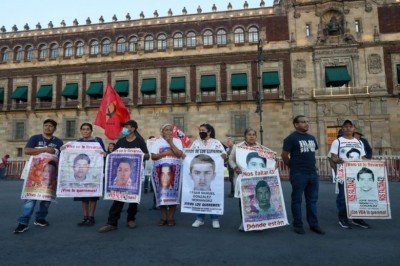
19, 130
20, 152
70, 129
179, 121
331, 134
357, 24
240, 123
308, 30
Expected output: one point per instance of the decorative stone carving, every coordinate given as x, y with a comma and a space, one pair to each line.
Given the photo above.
339, 108
301, 93
353, 108
299, 68
368, 7
296, 14
323, 110
374, 64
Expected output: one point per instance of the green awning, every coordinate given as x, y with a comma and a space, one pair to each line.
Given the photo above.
70, 91
178, 84
95, 89
398, 73
1, 94
122, 87
208, 83
270, 79
239, 81
20, 93
149, 86
336, 76
45, 92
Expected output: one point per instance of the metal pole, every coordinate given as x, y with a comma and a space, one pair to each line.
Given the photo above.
259, 94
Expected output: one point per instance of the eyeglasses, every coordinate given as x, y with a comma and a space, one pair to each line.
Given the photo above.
304, 122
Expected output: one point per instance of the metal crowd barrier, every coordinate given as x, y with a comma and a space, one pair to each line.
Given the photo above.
14, 169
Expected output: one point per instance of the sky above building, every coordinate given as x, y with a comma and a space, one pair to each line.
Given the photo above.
20, 12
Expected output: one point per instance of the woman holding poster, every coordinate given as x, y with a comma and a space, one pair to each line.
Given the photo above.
88, 203
165, 173
251, 161
206, 140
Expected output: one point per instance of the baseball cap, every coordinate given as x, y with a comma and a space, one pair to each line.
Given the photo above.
131, 123
348, 121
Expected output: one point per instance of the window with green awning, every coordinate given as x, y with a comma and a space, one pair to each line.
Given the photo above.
177, 84
70, 91
208, 83
20, 93
149, 86
122, 87
95, 89
398, 73
239, 81
1, 94
270, 79
336, 76
45, 92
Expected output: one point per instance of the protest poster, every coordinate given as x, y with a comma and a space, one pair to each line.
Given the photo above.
203, 182
366, 190
81, 170
249, 158
166, 179
124, 169
40, 182
262, 202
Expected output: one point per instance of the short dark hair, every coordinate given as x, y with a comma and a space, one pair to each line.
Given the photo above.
365, 170
51, 121
296, 119
125, 160
82, 156
202, 158
254, 154
261, 184
87, 124
352, 150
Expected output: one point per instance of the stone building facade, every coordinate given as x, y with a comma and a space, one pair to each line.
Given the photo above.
329, 60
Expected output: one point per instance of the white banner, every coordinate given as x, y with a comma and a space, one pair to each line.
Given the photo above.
203, 182
367, 190
40, 178
81, 170
124, 168
262, 200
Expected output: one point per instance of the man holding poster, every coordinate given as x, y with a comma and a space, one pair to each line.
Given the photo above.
42, 145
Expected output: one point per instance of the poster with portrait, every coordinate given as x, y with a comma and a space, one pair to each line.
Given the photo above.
41, 181
166, 179
203, 182
367, 190
262, 202
251, 159
81, 170
124, 168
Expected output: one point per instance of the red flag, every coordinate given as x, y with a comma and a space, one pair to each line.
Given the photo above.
112, 112
177, 133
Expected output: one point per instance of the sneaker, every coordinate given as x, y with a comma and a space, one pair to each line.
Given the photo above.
299, 230
317, 230
20, 228
241, 229
197, 223
107, 228
345, 224
360, 223
131, 224
215, 224
41, 222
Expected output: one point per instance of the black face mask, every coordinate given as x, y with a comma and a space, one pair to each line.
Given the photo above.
203, 135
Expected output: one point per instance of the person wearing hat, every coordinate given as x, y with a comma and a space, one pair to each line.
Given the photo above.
368, 150
341, 149
132, 139
37, 144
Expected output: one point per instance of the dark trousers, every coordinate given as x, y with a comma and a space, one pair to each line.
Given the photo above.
115, 212
307, 185
341, 203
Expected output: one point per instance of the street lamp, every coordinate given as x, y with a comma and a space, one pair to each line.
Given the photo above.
259, 93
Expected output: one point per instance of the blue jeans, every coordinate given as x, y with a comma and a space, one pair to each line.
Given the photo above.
341, 203
202, 217
29, 206
309, 185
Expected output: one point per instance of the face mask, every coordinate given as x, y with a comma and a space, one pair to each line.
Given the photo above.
203, 135
125, 132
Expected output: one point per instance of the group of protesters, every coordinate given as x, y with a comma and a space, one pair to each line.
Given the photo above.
298, 154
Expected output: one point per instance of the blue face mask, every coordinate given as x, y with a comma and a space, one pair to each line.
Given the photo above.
125, 132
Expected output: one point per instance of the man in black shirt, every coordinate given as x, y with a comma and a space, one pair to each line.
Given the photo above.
131, 140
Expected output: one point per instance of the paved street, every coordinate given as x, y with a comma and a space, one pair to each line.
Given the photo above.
63, 243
